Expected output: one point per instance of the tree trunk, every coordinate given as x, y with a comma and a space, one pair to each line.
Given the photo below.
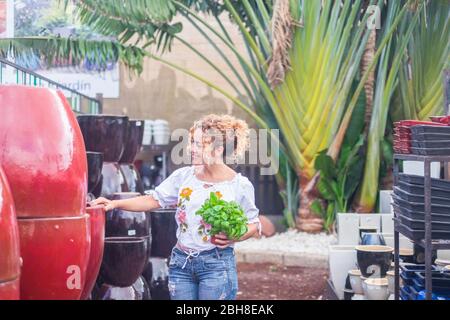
307, 221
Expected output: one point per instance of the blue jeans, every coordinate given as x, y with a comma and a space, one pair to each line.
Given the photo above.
211, 275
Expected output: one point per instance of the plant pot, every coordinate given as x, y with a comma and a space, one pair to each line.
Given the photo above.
55, 253
391, 281
377, 289
375, 239
94, 165
42, 152
104, 133
97, 223
164, 229
124, 259
135, 133
138, 291
122, 223
97, 191
341, 260
355, 281
159, 281
132, 178
113, 180
374, 261
9, 234
10, 290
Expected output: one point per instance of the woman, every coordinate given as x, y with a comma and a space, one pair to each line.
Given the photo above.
199, 269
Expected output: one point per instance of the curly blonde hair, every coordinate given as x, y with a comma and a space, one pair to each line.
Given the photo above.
226, 131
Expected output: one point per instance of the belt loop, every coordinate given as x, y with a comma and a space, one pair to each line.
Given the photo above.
218, 253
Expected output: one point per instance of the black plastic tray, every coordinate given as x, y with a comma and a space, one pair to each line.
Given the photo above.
443, 291
417, 235
419, 180
417, 215
420, 224
420, 190
438, 279
406, 196
430, 144
431, 151
420, 207
410, 269
420, 129
430, 137
407, 279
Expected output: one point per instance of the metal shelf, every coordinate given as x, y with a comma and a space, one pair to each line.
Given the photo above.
428, 243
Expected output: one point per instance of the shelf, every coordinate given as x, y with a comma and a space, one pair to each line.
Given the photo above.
416, 157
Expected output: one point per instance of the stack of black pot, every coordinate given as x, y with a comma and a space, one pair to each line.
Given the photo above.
164, 238
127, 234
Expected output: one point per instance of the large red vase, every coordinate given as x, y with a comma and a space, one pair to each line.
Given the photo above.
9, 243
55, 253
42, 152
10, 290
97, 218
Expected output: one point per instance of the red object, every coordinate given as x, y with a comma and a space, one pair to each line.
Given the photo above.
441, 119
9, 234
10, 290
55, 253
410, 123
97, 222
42, 152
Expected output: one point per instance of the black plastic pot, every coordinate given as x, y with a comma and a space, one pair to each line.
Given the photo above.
164, 229
438, 279
135, 133
94, 164
418, 180
113, 180
419, 234
158, 278
431, 151
430, 137
430, 144
416, 215
420, 224
105, 134
430, 129
132, 178
122, 223
419, 199
420, 190
124, 259
374, 260
419, 207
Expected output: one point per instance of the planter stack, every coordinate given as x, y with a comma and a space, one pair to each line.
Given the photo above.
44, 159
404, 140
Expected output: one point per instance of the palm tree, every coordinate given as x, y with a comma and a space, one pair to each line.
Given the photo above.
303, 57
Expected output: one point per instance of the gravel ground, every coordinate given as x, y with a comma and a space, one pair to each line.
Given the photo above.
290, 241
272, 282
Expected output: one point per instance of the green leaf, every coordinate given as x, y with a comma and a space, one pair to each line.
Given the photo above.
325, 189
317, 208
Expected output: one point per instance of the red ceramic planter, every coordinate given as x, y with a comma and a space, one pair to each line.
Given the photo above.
55, 253
97, 222
42, 152
9, 234
10, 290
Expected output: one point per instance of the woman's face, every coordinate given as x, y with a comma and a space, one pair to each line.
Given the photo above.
203, 153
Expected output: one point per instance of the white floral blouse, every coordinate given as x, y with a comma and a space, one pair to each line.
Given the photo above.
185, 191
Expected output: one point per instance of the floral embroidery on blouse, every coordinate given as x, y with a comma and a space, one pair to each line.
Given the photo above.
204, 231
181, 214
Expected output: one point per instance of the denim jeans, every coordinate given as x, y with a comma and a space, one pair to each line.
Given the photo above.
209, 275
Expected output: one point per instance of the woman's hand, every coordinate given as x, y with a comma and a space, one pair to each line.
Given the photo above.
221, 240
109, 204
